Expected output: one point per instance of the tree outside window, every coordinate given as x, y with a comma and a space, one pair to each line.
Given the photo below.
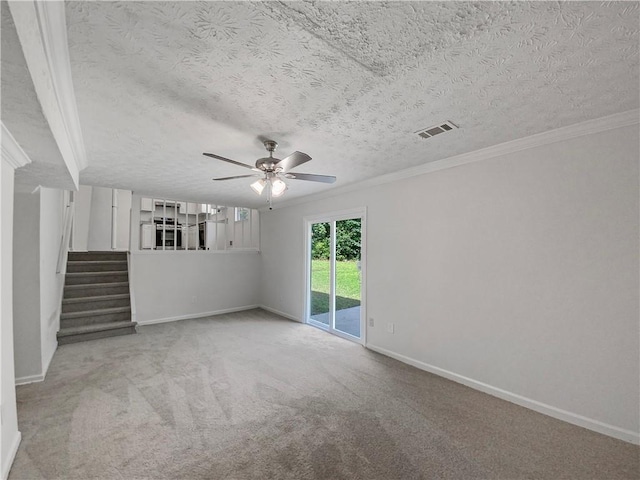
242, 214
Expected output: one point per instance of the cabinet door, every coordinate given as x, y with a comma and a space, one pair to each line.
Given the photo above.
193, 237
146, 204
146, 236
185, 238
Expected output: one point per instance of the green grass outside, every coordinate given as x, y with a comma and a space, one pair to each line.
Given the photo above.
347, 286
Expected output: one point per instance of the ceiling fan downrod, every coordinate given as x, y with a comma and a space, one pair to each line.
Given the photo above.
271, 146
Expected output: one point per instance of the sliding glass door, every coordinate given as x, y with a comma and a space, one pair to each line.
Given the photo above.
347, 274
320, 275
335, 275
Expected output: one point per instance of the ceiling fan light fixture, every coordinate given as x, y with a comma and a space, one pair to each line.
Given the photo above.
258, 186
278, 187
273, 170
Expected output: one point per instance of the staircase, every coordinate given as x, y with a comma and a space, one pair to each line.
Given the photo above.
96, 301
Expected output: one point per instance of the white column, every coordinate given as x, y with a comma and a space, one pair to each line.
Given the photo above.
12, 157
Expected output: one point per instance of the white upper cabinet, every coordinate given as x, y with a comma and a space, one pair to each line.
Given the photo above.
146, 205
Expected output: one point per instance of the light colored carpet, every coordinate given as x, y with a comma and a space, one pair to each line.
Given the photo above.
252, 396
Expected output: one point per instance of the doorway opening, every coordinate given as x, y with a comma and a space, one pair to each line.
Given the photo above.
335, 274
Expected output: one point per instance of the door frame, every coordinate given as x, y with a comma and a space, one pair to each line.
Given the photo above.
360, 212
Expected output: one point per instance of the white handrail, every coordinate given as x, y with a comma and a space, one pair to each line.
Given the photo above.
66, 234
114, 219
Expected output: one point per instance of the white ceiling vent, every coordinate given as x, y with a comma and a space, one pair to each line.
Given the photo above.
436, 129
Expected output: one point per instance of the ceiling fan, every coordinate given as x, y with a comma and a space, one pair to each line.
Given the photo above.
272, 170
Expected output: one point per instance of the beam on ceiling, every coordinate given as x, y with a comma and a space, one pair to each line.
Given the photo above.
42, 30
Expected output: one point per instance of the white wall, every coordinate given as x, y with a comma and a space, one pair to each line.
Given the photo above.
182, 284
9, 434
81, 217
123, 219
26, 286
93, 219
174, 285
52, 207
519, 273
37, 293
99, 239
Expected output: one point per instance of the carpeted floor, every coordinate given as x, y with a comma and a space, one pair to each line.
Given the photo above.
252, 396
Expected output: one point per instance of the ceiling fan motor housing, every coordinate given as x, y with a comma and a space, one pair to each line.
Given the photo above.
274, 169
268, 164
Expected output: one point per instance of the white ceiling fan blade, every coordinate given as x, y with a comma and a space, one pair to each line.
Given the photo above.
292, 161
224, 159
311, 177
237, 176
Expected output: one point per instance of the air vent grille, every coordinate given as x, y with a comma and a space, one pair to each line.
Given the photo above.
436, 129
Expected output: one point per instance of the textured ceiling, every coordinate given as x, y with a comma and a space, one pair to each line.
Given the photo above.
22, 115
159, 83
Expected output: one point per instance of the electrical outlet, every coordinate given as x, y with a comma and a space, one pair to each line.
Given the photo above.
193, 299
390, 327
371, 321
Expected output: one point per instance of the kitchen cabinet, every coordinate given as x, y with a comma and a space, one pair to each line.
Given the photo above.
192, 208
146, 205
174, 225
190, 237
147, 236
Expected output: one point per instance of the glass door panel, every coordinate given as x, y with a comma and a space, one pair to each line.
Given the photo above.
320, 272
334, 300
347, 276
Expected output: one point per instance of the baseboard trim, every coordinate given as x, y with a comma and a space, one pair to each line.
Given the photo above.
6, 468
564, 415
30, 379
41, 376
48, 362
278, 312
197, 315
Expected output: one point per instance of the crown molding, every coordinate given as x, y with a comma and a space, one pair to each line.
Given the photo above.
590, 127
42, 31
12, 152
53, 29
